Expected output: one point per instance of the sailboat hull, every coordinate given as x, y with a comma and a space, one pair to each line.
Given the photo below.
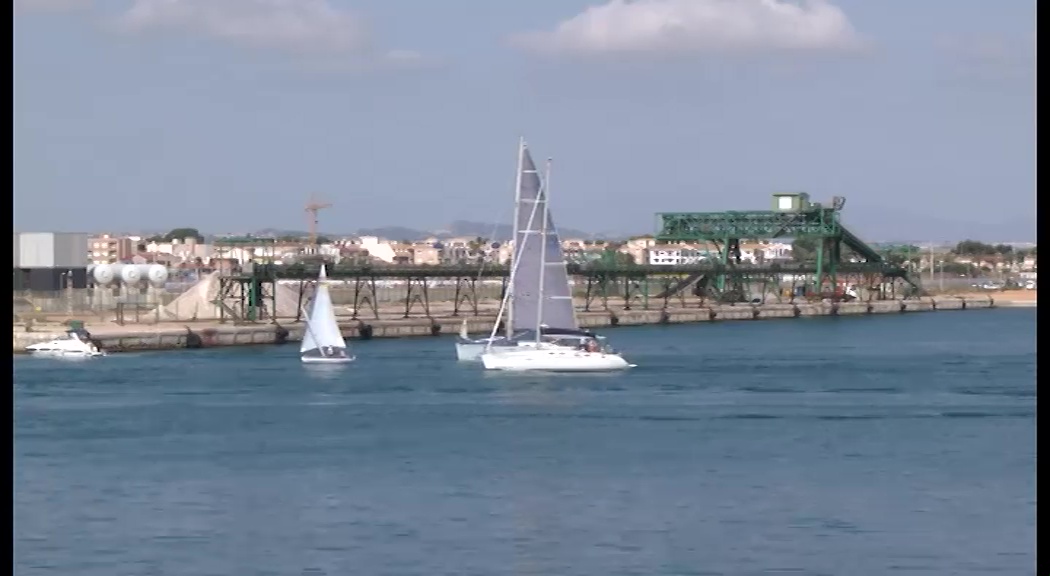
552, 359
471, 350
333, 355
327, 360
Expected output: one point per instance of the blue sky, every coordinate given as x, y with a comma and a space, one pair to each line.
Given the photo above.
227, 115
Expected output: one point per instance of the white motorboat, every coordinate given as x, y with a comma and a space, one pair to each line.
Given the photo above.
322, 341
535, 283
533, 261
75, 344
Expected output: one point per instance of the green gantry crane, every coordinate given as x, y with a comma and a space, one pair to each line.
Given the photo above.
793, 216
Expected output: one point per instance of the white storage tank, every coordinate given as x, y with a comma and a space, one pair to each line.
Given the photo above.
105, 274
131, 274
157, 275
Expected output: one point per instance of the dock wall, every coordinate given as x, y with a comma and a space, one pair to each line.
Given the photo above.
175, 336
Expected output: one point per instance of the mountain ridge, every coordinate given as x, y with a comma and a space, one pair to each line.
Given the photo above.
457, 229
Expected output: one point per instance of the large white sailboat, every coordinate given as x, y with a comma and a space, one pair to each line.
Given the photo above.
322, 341
543, 281
557, 315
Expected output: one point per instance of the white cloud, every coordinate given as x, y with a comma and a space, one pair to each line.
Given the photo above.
301, 26
668, 26
52, 5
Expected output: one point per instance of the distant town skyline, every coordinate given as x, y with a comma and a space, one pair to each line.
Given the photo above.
399, 233
228, 115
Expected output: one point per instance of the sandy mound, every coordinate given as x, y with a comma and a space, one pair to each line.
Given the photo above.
200, 302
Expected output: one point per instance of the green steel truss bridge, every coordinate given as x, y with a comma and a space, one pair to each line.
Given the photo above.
247, 297
839, 256
837, 251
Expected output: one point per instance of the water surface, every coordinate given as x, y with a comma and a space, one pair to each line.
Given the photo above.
876, 445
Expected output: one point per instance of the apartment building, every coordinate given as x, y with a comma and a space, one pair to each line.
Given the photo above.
107, 249
183, 250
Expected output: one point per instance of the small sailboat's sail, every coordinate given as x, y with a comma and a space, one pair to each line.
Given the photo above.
558, 311
322, 341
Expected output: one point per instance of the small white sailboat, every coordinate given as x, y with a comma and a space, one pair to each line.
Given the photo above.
322, 341
546, 351
557, 315
75, 344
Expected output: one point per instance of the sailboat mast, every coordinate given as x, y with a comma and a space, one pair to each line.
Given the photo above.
545, 192
514, 234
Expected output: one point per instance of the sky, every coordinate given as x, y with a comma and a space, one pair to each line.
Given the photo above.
228, 115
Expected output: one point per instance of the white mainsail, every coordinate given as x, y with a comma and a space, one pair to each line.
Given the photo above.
322, 340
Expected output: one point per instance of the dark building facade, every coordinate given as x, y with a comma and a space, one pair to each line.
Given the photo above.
50, 279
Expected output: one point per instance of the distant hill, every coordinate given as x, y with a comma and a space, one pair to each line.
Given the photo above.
872, 224
459, 228
500, 231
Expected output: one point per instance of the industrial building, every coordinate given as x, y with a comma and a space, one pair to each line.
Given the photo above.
50, 261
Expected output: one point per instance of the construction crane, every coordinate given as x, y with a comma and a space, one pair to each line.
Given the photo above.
313, 207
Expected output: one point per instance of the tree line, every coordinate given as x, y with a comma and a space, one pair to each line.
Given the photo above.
975, 248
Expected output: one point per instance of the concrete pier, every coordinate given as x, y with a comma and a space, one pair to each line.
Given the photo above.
206, 335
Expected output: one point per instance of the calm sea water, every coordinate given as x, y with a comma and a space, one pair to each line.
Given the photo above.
879, 445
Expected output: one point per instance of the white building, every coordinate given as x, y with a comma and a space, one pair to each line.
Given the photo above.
671, 255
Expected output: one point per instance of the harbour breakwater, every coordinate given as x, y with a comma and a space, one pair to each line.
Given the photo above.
172, 336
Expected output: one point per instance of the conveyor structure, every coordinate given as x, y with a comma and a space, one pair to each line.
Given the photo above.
793, 216
249, 293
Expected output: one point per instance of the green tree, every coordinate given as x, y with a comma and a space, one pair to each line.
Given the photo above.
183, 233
974, 248
958, 268
178, 234
477, 248
804, 249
